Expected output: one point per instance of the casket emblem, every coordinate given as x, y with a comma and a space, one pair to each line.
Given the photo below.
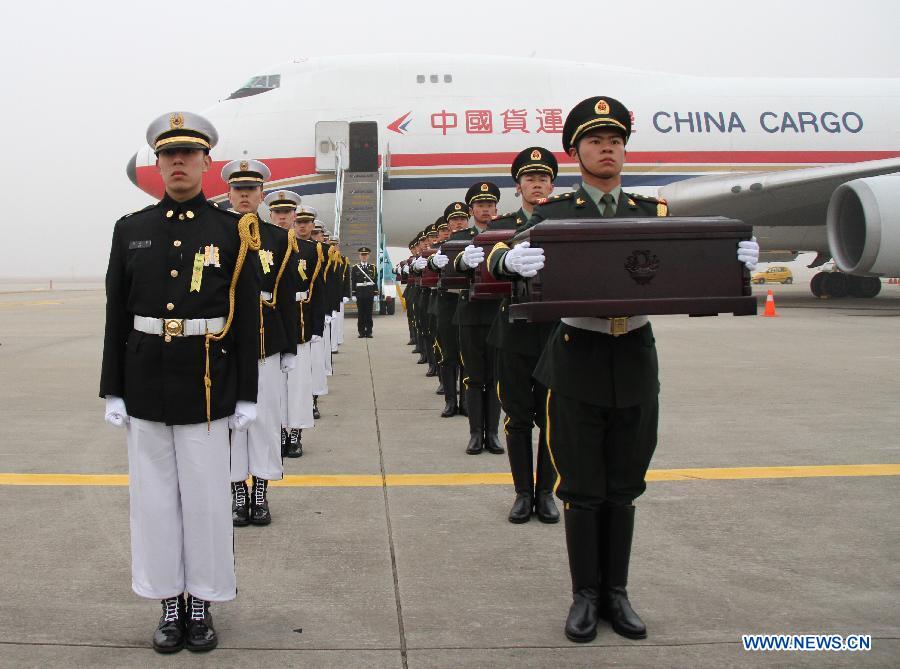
642, 266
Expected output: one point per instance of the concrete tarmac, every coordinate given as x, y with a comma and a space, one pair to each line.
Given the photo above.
369, 572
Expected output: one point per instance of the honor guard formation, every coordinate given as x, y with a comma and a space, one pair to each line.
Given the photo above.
221, 330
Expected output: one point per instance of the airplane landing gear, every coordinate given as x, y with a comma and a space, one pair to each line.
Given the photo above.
838, 284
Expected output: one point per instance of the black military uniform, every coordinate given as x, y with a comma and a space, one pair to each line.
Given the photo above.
602, 411
474, 318
364, 284
402, 274
181, 348
519, 345
423, 319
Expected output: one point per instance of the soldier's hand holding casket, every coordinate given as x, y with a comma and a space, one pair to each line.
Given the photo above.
523, 260
748, 253
244, 414
115, 411
406, 269
472, 256
420, 263
440, 260
288, 360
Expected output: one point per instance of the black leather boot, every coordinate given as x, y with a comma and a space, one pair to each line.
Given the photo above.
584, 566
449, 377
283, 442
259, 503
199, 630
614, 605
492, 421
240, 507
169, 634
423, 350
316, 414
440, 375
417, 342
432, 361
295, 446
518, 447
476, 425
463, 404
544, 505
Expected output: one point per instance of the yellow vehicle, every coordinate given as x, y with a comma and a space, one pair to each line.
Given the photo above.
774, 275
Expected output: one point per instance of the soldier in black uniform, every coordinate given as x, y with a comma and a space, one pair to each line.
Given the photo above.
402, 274
423, 298
602, 376
258, 451
475, 318
180, 356
364, 284
519, 346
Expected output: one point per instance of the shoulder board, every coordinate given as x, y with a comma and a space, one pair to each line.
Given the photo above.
644, 198
147, 208
557, 198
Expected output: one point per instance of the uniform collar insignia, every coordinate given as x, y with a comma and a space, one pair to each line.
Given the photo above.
579, 202
632, 203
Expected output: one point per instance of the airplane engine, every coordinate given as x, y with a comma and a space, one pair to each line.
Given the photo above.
864, 226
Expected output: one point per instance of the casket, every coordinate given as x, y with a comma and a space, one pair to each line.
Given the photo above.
485, 286
631, 266
450, 277
429, 276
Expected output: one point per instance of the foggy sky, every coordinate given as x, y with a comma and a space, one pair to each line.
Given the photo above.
82, 80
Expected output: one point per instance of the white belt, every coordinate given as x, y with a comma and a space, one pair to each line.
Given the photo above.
266, 295
366, 283
178, 327
300, 296
613, 326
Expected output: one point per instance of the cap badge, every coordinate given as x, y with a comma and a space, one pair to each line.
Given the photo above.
282, 196
244, 166
484, 188
535, 155
176, 120
602, 107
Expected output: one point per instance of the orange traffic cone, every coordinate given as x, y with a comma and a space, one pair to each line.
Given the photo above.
770, 305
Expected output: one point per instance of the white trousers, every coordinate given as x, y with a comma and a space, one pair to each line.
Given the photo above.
297, 392
327, 337
181, 532
335, 330
317, 364
257, 450
340, 321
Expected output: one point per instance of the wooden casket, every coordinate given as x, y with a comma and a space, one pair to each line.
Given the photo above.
450, 277
484, 286
429, 276
632, 266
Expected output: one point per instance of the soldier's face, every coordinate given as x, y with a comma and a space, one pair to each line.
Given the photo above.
303, 227
317, 235
182, 171
283, 218
483, 212
364, 258
443, 234
601, 152
458, 223
245, 200
533, 186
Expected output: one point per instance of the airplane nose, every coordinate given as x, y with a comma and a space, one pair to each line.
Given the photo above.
131, 169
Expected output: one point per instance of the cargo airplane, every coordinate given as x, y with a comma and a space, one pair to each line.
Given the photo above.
813, 164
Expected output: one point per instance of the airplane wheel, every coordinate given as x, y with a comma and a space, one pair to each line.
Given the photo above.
836, 284
864, 286
817, 285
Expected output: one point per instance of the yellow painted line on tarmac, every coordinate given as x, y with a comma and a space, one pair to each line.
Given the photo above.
485, 478
29, 303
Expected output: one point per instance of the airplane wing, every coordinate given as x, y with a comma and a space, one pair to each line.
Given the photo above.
795, 197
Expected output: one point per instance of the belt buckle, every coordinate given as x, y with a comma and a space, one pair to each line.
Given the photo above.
173, 327
618, 325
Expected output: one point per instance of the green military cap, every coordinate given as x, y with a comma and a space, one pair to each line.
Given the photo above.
413, 243
282, 199
456, 209
596, 112
534, 159
245, 173
431, 230
364, 249
483, 191
181, 130
306, 213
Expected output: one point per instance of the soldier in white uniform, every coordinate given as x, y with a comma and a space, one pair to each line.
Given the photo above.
179, 368
319, 377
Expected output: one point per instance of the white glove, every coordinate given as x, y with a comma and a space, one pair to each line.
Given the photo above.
748, 253
115, 411
244, 414
440, 260
344, 300
354, 298
406, 269
472, 256
327, 320
288, 360
315, 338
334, 314
523, 260
420, 263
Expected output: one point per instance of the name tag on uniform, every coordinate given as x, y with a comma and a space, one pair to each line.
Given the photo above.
197, 275
139, 244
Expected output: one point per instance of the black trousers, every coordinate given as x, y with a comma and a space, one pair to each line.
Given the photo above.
600, 453
523, 398
364, 314
478, 357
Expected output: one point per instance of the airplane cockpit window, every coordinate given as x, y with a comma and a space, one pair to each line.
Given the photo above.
257, 85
